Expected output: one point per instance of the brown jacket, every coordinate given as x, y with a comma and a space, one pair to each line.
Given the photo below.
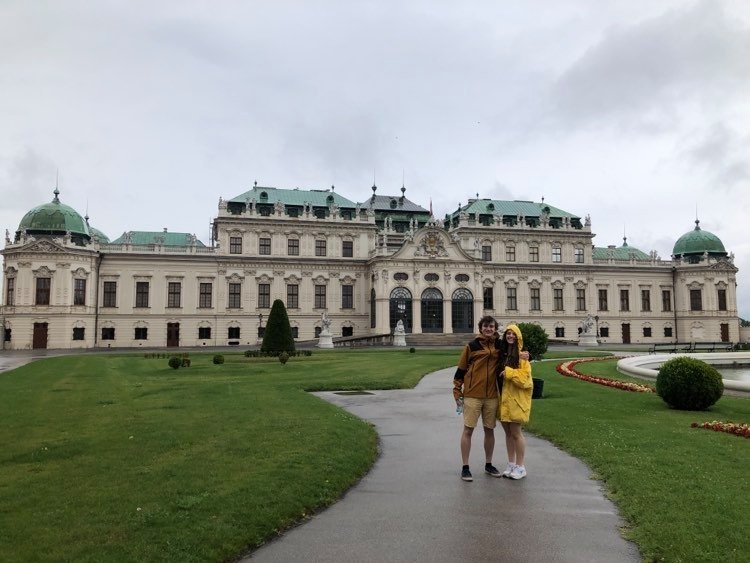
477, 368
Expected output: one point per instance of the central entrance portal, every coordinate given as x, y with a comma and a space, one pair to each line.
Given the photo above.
432, 310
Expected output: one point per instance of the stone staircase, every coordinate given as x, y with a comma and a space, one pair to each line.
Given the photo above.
436, 339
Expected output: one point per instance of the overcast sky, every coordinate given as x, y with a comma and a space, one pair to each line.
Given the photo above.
635, 111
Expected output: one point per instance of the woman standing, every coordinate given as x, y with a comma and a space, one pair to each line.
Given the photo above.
515, 400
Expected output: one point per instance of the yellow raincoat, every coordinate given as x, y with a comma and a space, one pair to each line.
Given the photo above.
515, 400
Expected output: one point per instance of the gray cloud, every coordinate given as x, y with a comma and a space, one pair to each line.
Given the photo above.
644, 73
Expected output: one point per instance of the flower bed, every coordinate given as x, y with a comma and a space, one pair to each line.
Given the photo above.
728, 427
568, 370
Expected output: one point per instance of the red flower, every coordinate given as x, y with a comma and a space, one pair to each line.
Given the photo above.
728, 427
567, 369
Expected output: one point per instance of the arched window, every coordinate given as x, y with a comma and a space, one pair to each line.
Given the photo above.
400, 308
432, 310
462, 310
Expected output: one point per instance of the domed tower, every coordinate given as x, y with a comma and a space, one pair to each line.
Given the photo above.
54, 219
694, 245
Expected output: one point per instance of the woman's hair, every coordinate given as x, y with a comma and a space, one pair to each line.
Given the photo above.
511, 351
487, 319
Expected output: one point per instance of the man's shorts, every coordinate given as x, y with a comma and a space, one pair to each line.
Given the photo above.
474, 407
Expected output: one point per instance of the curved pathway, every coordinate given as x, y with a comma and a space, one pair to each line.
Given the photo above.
412, 506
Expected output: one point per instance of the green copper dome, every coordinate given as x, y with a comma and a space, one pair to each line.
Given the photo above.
698, 242
54, 218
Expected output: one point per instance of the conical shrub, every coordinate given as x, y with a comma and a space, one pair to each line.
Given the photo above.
277, 337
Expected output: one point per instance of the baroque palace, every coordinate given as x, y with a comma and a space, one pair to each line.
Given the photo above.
364, 265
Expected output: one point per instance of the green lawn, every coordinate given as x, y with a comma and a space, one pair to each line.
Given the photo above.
684, 491
120, 458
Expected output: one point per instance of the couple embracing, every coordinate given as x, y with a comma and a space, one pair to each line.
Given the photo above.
493, 381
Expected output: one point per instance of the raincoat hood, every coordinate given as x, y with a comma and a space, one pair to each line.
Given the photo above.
517, 332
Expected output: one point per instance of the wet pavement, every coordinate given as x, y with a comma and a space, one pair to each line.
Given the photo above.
412, 506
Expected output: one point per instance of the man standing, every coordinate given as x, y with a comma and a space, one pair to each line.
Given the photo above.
475, 385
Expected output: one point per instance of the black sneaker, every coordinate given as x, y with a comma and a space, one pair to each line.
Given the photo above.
490, 469
466, 474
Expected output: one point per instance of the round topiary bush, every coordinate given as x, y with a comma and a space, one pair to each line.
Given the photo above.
283, 357
218, 359
175, 362
412, 350
689, 384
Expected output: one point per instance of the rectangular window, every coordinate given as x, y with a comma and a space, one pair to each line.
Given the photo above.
205, 295
79, 333
696, 300
579, 255
533, 254
489, 298
604, 332
722, 300
264, 246
141, 294
42, 291
10, 292
264, 295
645, 300
603, 300
108, 333
510, 253
235, 296
233, 332
8, 333
141, 333
347, 297
320, 297
487, 253
109, 294
174, 291
320, 248
666, 300
556, 254
511, 301
295, 332
624, 300
557, 296
647, 332
580, 299
347, 331
559, 332
668, 332
79, 292
292, 247
235, 245
204, 333
535, 299
292, 296
347, 249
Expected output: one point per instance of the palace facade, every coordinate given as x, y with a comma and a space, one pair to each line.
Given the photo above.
367, 265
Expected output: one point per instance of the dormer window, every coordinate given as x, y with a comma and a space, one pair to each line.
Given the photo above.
394, 204
264, 196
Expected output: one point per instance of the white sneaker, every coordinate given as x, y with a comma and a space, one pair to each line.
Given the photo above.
508, 469
518, 472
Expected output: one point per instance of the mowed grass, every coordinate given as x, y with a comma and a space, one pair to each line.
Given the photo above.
121, 458
684, 492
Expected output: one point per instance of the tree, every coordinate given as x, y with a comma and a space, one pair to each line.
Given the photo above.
278, 335
534, 339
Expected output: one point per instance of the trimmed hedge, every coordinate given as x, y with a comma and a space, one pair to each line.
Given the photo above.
689, 384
